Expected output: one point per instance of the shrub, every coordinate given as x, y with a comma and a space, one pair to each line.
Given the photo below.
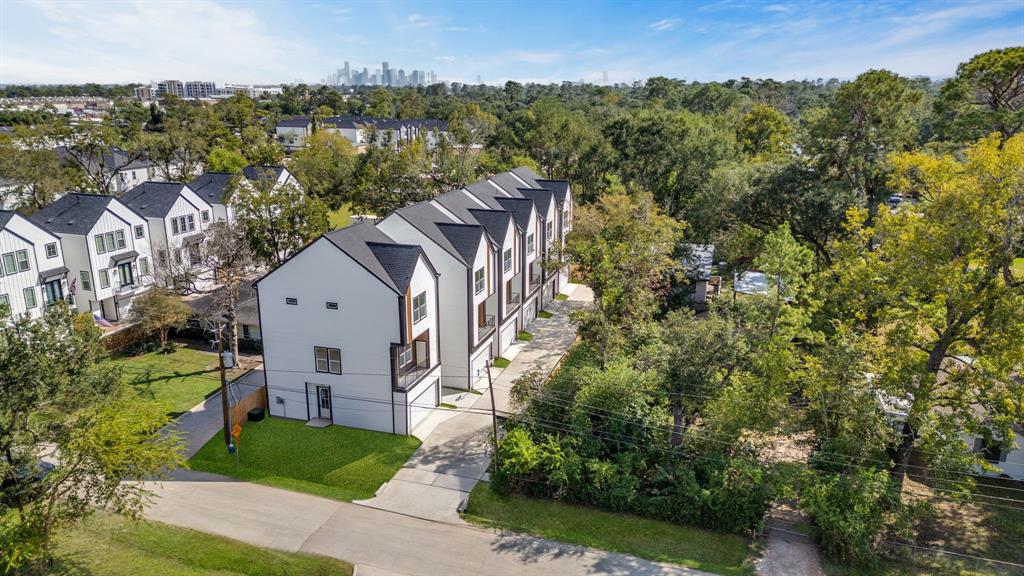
851, 511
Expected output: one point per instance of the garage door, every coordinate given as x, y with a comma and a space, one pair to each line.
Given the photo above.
530, 312
423, 404
479, 373
508, 336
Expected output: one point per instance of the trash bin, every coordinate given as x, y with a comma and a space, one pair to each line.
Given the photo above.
256, 415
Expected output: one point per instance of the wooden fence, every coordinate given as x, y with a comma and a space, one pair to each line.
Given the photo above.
256, 399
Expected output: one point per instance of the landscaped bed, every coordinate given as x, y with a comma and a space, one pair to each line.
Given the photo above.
500, 362
179, 380
692, 547
106, 545
544, 314
524, 336
335, 462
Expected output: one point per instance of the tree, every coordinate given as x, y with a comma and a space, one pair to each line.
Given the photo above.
158, 311
30, 162
623, 246
764, 132
278, 220
325, 167
57, 391
381, 104
388, 179
986, 96
867, 120
259, 148
939, 300
226, 160
411, 105
470, 127
98, 153
238, 111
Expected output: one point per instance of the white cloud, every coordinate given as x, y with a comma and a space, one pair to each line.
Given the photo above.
664, 24
779, 8
446, 58
537, 57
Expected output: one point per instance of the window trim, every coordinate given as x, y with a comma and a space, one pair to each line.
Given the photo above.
143, 266
291, 301
47, 248
10, 264
140, 231
327, 359
506, 258
531, 243
25, 293
482, 281
419, 311
119, 239
331, 305
22, 259
86, 280
100, 244
104, 279
121, 268
205, 215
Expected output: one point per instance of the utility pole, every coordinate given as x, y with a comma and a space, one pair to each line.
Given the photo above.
223, 386
494, 413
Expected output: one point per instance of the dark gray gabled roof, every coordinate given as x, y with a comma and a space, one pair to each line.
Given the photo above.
459, 203
153, 199
262, 171
5, 217
528, 175
211, 186
540, 197
464, 237
559, 187
74, 213
486, 193
425, 217
390, 262
520, 209
297, 122
507, 182
495, 222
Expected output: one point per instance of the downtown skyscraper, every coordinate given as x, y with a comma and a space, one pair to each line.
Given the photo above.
386, 75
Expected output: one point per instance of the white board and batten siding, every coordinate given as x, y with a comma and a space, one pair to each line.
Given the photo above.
22, 257
116, 217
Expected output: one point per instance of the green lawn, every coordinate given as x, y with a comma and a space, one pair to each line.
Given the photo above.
341, 217
692, 547
1018, 267
544, 314
500, 362
107, 545
334, 462
179, 380
524, 336
561, 297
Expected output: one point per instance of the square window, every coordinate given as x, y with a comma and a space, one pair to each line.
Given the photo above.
51, 250
140, 231
332, 305
479, 281
22, 256
328, 360
291, 301
30, 297
104, 279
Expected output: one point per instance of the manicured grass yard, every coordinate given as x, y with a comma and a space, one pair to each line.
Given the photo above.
341, 217
500, 362
561, 297
692, 547
544, 314
524, 336
179, 380
334, 462
111, 546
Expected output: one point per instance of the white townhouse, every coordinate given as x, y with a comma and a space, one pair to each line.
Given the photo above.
213, 187
279, 175
527, 220
504, 234
292, 132
106, 249
177, 219
350, 328
32, 270
466, 261
125, 169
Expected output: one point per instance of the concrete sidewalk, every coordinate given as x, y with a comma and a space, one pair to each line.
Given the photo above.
436, 481
377, 541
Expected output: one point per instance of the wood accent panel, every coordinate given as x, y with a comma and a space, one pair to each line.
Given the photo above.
408, 313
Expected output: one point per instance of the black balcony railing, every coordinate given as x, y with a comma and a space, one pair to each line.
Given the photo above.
410, 373
485, 327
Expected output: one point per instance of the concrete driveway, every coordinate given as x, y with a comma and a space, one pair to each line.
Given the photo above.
204, 420
436, 481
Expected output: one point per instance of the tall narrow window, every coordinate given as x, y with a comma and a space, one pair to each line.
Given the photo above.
119, 238
22, 256
144, 266
9, 266
174, 226
206, 215
124, 271
5, 302
478, 281
109, 239
191, 222
104, 279
140, 231
507, 260
529, 243
86, 280
30, 297
101, 246
419, 307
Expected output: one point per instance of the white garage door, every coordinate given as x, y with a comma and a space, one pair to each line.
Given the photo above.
508, 336
530, 312
479, 368
423, 404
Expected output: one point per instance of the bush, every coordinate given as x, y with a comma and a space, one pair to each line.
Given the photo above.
851, 511
150, 344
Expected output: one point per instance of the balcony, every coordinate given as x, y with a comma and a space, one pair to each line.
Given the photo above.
411, 373
512, 300
485, 328
535, 280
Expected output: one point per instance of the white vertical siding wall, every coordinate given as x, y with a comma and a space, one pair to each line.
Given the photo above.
20, 234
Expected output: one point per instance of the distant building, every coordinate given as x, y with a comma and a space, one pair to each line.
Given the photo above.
697, 264
292, 132
198, 89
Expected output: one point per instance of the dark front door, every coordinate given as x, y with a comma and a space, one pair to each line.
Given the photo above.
323, 401
54, 291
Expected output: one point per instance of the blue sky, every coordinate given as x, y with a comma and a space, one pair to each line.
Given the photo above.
263, 42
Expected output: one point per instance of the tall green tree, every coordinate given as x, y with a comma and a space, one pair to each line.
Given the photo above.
470, 127
325, 167
278, 220
986, 96
29, 161
764, 132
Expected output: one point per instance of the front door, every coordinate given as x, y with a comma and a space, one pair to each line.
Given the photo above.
54, 291
323, 401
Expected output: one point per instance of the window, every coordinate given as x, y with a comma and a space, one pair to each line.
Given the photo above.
332, 305
104, 279
124, 271
140, 231
550, 230
419, 307
245, 332
327, 359
144, 266
9, 265
291, 301
109, 239
119, 236
5, 301
478, 281
86, 280
30, 297
191, 222
101, 247
51, 250
405, 356
174, 226
529, 243
22, 256
177, 256
206, 215
507, 260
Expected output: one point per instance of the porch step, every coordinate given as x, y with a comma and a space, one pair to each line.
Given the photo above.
318, 423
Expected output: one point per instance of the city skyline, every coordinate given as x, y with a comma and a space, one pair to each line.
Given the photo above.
385, 75
273, 42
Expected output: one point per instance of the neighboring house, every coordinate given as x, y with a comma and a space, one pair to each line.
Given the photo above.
505, 235
32, 270
125, 170
293, 132
697, 265
361, 130
214, 186
466, 261
1008, 459
106, 249
177, 218
278, 174
351, 332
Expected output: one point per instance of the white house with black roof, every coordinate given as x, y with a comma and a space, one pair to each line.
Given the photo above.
351, 332
32, 270
292, 132
106, 250
466, 261
212, 187
177, 219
